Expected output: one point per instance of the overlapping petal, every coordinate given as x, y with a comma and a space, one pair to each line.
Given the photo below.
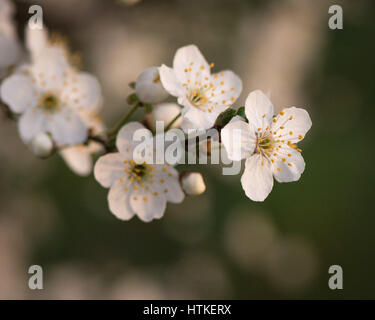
50, 69
239, 140
257, 179
119, 200
170, 82
168, 183
198, 118
82, 91
291, 124
148, 204
19, 93
190, 64
31, 123
36, 40
126, 142
259, 110
227, 87
289, 165
67, 128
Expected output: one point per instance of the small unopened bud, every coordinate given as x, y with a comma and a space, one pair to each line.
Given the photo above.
165, 112
149, 88
193, 183
42, 145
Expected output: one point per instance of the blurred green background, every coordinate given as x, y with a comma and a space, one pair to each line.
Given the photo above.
220, 244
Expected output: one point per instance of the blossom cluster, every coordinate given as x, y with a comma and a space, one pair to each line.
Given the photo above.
57, 108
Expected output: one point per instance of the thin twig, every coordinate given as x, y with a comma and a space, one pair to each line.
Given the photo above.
125, 119
170, 124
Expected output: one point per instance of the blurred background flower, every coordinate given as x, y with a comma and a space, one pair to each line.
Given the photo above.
218, 244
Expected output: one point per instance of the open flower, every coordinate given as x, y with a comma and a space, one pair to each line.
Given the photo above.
268, 143
204, 96
141, 189
49, 94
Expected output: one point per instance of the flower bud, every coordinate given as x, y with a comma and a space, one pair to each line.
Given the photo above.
149, 88
193, 183
165, 112
42, 145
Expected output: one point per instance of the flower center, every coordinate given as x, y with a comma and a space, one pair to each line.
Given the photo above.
265, 144
138, 172
197, 98
49, 102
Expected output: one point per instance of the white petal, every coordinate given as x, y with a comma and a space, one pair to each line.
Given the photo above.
82, 92
125, 138
148, 204
239, 140
18, 92
51, 69
258, 110
67, 128
187, 125
228, 87
110, 168
212, 116
257, 179
189, 63
31, 123
78, 158
291, 124
167, 181
119, 200
289, 165
170, 83
36, 40
197, 118
174, 193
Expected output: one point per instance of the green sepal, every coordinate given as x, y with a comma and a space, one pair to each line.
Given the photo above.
133, 98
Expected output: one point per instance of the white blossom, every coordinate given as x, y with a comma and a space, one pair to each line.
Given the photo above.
267, 143
203, 95
141, 189
149, 88
49, 94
